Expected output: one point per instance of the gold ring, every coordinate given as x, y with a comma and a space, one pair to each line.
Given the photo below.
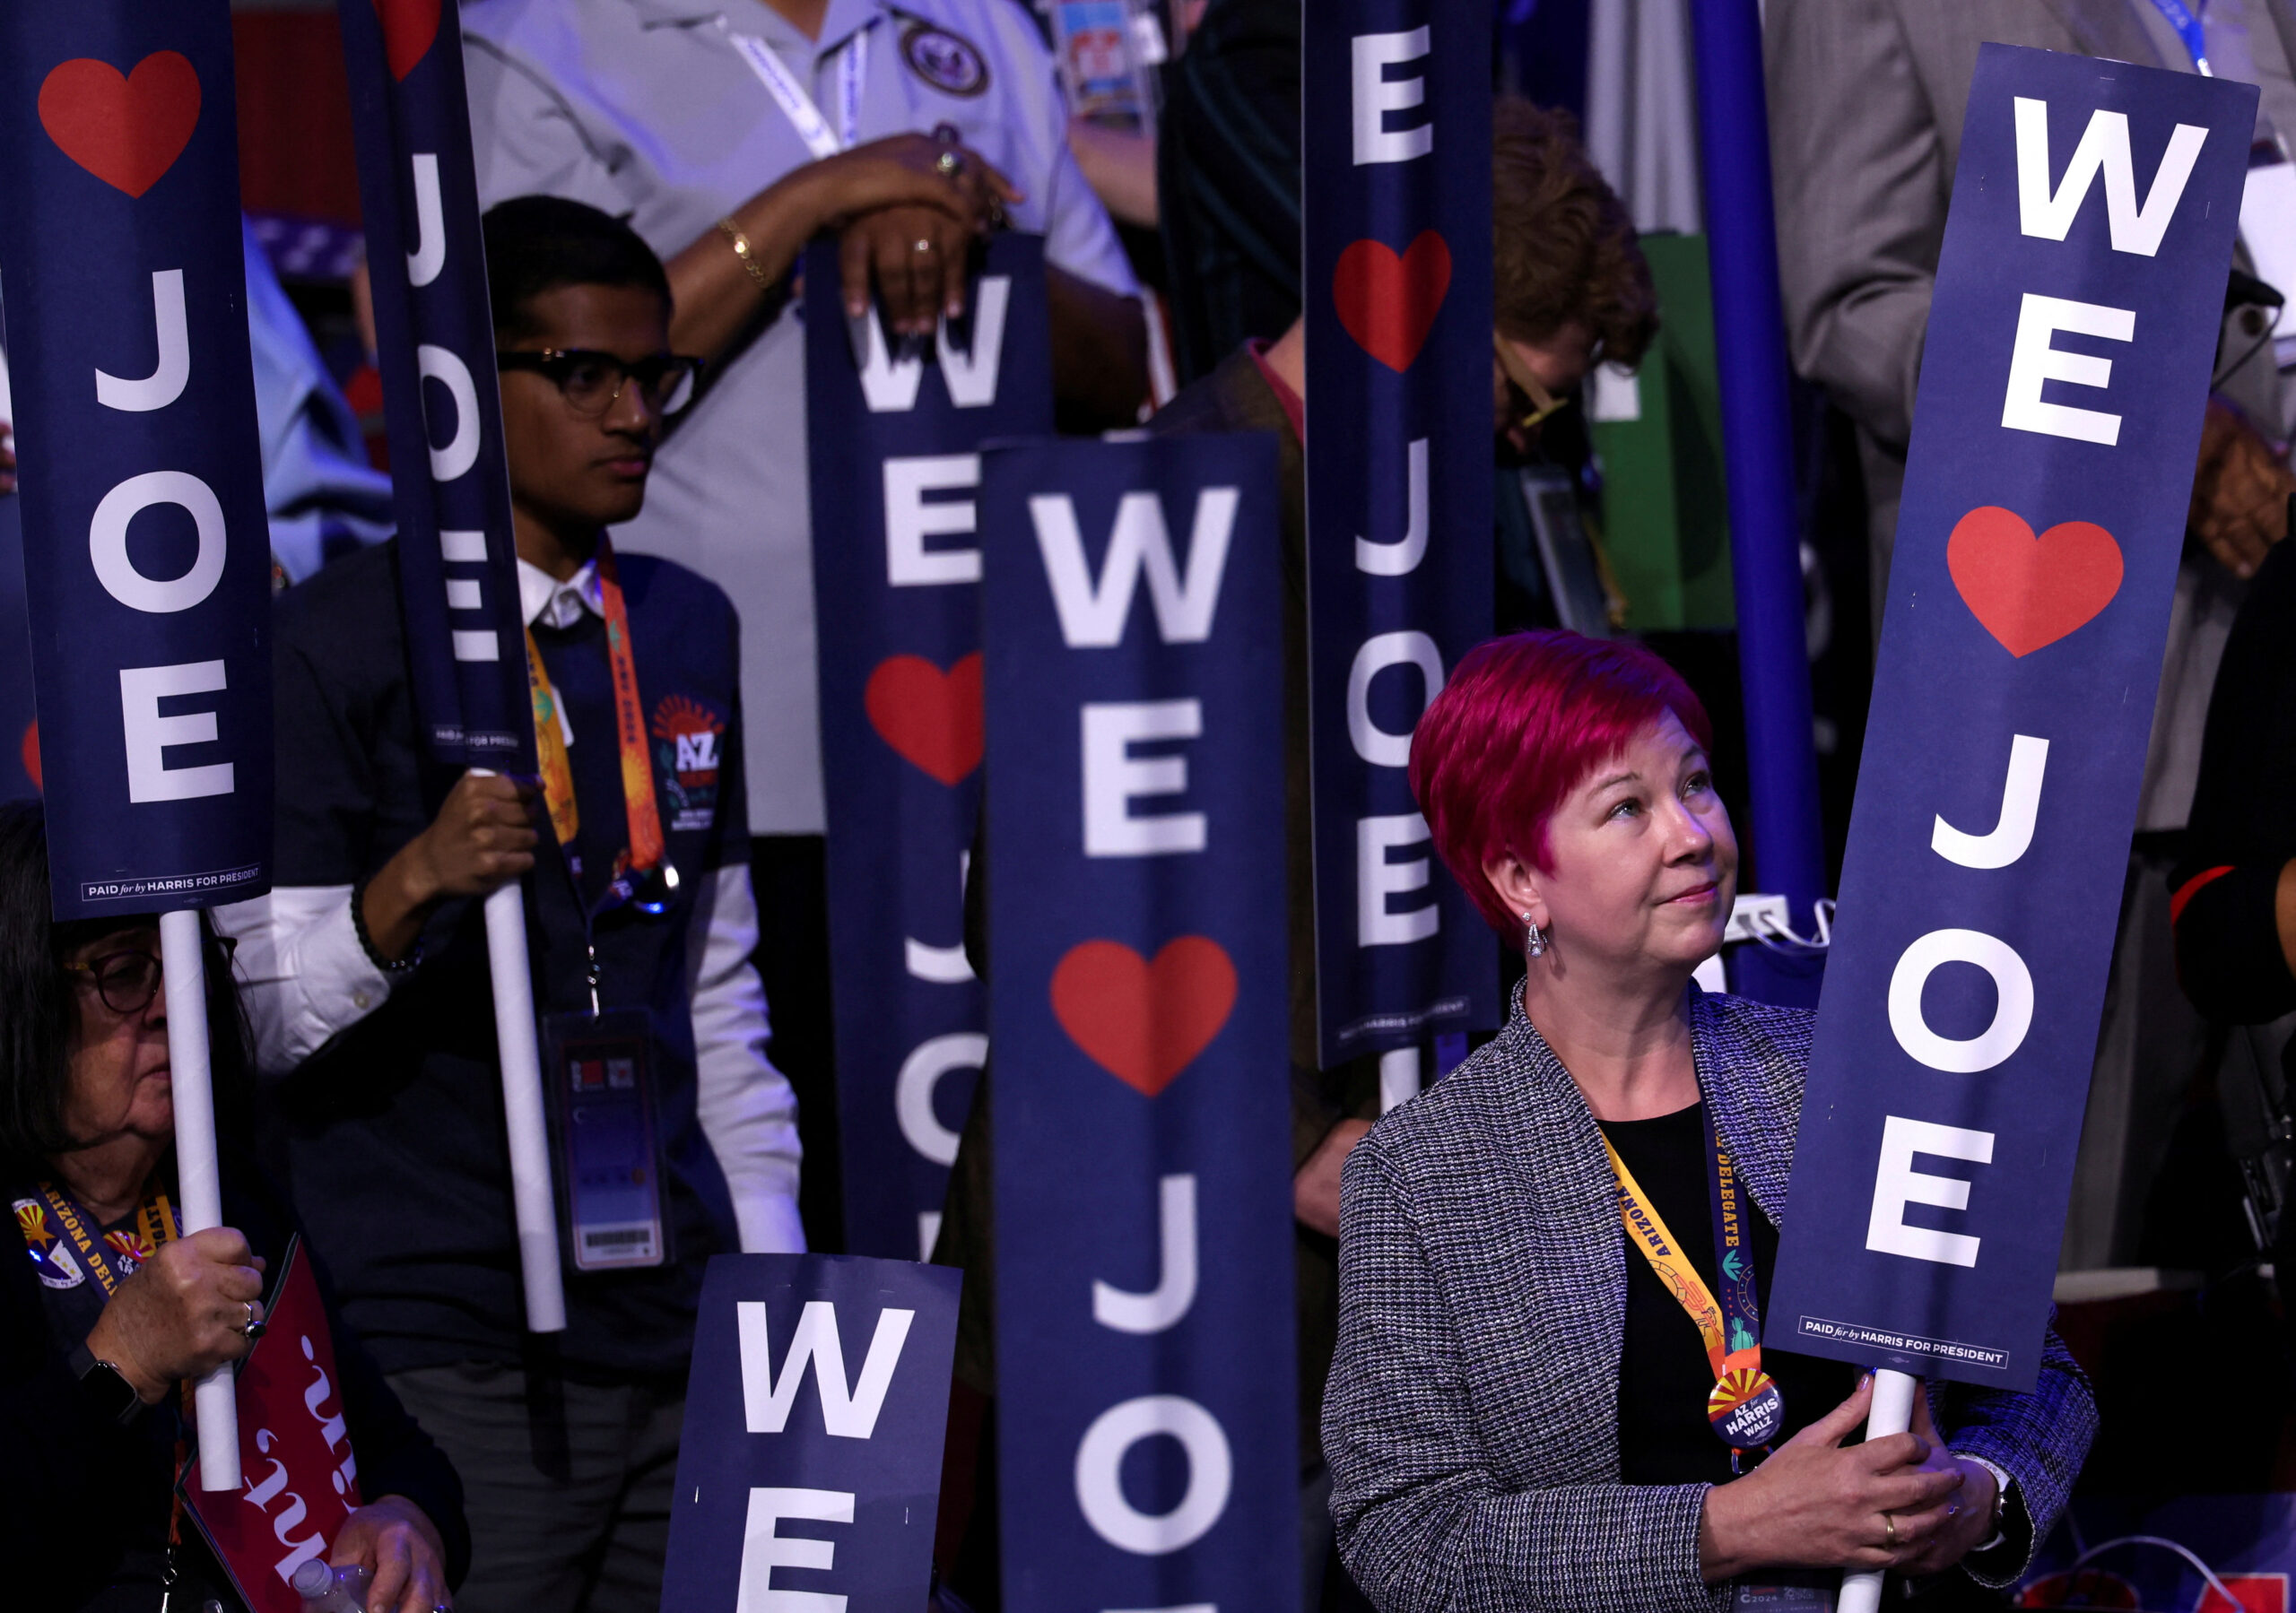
1890, 1524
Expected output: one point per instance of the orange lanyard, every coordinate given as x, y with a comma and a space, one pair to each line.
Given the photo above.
646, 844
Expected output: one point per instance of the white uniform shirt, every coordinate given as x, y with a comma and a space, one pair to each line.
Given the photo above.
306, 979
646, 109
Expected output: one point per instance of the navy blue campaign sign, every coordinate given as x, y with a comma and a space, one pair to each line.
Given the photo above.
458, 574
19, 716
809, 1473
1397, 274
2062, 385
1138, 1001
896, 466
146, 553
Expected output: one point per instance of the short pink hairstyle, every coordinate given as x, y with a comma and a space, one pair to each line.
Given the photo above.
1522, 723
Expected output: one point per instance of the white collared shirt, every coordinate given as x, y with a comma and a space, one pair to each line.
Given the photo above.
647, 110
545, 601
306, 979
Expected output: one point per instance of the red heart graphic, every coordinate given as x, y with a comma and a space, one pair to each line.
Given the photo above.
932, 717
1144, 1022
2030, 592
128, 131
1388, 302
408, 28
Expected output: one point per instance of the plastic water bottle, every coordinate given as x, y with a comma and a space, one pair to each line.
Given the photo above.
326, 1590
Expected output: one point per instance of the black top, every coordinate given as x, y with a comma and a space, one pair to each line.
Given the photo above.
1664, 1374
2243, 824
1228, 171
85, 1501
393, 1132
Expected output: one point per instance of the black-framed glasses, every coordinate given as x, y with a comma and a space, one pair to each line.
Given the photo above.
127, 981
589, 381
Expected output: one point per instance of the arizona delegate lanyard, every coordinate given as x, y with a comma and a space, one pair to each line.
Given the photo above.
112, 1258
796, 106
601, 1062
2188, 29
1743, 1406
644, 853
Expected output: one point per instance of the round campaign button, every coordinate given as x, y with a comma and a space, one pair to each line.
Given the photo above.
944, 61
1745, 1409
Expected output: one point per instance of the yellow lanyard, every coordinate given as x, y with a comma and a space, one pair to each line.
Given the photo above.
550, 749
1647, 1231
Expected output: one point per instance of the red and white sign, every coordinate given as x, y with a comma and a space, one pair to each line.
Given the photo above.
300, 1479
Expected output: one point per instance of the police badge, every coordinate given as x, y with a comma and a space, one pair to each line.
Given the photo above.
942, 60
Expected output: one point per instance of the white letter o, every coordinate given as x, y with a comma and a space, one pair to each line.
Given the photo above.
108, 541
440, 365
920, 1074
1372, 743
2013, 1013
1100, 1490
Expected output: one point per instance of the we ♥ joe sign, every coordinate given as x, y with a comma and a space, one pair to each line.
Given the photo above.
147, 556
894, 436
1139, 1010
1397, 277
458, 563
2062, 389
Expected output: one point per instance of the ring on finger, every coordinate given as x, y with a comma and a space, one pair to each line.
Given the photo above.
255, 1326
951, 161
924, 246
1890, 1525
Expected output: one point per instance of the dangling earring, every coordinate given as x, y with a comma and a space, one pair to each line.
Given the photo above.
1533, 938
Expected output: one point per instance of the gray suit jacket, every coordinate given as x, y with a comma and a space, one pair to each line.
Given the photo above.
1471, 1417
1866, 99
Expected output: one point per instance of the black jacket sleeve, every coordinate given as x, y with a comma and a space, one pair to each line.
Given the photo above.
2243, 825
72, 1481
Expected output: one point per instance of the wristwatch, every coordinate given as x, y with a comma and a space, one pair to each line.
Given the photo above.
105, 1386
2001, 1483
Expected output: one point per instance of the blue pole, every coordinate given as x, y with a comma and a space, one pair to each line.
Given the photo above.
1765, 558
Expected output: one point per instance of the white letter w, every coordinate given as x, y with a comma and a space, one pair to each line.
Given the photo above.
765, 1403
1092, 617
2103, 147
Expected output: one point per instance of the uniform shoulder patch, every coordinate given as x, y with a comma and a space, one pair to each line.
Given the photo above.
950, 63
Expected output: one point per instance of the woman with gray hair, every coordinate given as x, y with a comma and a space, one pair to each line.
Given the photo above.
1551, 1390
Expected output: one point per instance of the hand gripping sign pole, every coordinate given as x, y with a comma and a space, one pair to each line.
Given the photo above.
145, 565
459, 578
2075, 317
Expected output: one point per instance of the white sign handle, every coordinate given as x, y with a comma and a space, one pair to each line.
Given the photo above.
520, 1056
198, 1182
1892, 1412
1398, 1077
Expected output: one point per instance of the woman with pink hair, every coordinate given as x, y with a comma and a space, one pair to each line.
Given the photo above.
1550, 1389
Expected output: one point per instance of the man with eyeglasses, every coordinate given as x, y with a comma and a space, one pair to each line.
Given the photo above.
369, 981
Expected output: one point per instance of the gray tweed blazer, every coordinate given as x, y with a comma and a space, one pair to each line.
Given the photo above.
1471, 1417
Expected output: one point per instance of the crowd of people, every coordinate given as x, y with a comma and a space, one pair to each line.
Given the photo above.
651, 171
